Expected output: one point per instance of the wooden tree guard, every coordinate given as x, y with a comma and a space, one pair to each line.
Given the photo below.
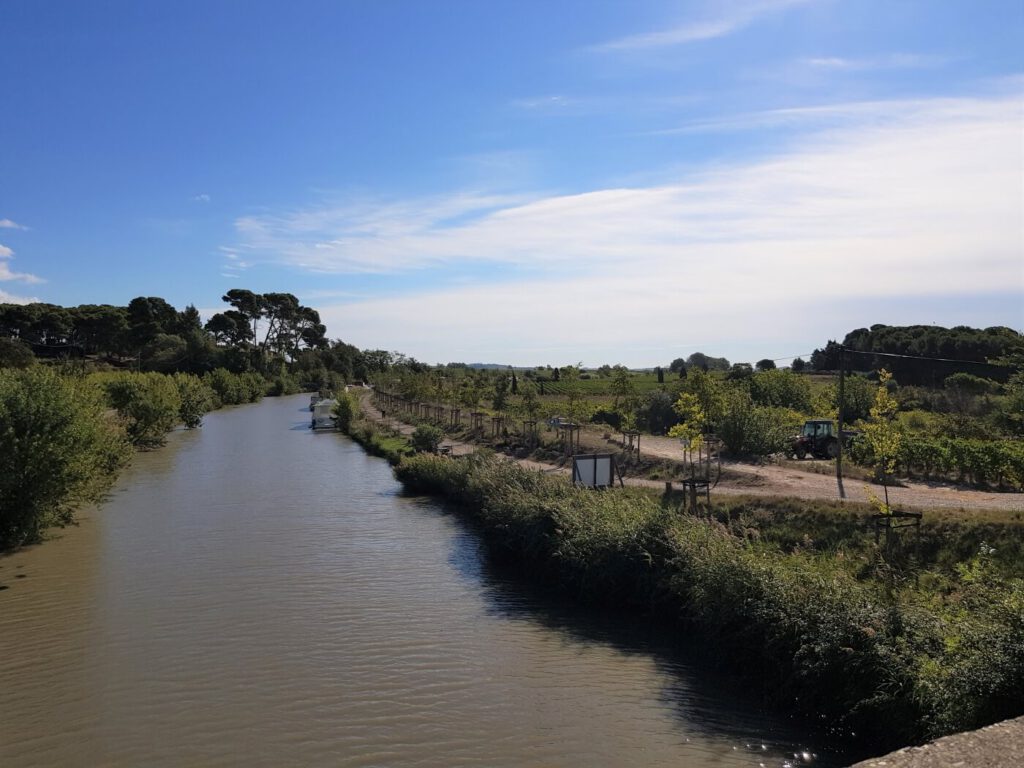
570, 432
631, 442
530, 430
438, 414
497, 425
893, 521
702, 468
455, 417
477, 421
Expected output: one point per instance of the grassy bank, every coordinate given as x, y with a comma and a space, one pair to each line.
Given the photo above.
894, 646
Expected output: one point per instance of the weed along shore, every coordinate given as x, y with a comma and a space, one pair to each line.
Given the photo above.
884, 645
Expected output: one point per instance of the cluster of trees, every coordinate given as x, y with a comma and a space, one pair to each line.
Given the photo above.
977, 348
272, 334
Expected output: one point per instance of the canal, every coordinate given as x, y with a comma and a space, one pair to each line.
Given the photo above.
256, 594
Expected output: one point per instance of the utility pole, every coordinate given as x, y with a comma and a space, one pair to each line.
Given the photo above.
839, 435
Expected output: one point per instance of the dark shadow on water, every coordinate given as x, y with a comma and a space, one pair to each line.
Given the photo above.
699, 690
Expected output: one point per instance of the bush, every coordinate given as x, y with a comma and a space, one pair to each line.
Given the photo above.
235, 388
346, 410
426, 438
148, 403
196, 399
57, 448
748, 429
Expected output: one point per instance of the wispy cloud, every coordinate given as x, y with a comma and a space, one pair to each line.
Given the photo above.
888, 61
8, 224
362, 236
717, 22
203, 198
6, 273
891, 199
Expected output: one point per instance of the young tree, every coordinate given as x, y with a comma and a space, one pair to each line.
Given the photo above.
882, 433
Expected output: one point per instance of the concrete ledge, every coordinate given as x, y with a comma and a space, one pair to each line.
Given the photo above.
995, 746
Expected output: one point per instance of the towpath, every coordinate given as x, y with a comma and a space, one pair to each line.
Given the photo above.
771, 479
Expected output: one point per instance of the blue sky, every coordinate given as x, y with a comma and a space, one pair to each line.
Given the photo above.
523, 182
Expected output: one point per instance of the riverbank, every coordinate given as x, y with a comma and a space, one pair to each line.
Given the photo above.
889, 646
840, 633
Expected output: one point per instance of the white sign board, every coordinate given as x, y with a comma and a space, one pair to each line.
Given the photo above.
595, 470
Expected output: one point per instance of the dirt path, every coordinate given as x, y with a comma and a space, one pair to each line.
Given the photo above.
770, 479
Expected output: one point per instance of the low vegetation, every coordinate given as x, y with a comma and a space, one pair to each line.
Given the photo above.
895, 645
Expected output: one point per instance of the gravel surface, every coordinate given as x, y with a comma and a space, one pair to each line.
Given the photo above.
788, 479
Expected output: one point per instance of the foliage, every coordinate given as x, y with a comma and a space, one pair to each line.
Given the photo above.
753, 430
148, 403
654, 414
15, 354
57, 449
975, 345
346, 410
780, 389
883, 435
195, 397
528, 405
692, 420
426, 438
234, 388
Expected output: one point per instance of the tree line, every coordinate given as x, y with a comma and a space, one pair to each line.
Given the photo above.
272, 334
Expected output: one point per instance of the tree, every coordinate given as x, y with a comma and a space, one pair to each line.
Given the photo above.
623, 390
780, 389
528, 401
765, 365
655, 413
499, 395
798, 365
691, 419
678, 366
884, 436
573, 392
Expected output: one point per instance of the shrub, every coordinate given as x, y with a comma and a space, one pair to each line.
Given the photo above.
196, 399
346, 410
753, 430
57, 448
426, 438
148, 403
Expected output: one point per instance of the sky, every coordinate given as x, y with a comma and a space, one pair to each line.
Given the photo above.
523, 182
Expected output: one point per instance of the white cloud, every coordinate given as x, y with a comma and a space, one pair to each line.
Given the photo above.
898, 200
7, 274
203, 198
718, 22
8, 224
10, 298
889, 61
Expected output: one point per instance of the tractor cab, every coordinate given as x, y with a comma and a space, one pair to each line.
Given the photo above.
817, 438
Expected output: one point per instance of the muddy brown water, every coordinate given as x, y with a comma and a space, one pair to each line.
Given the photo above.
256, 594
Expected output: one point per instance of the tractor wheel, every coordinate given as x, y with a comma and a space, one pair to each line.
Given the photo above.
801, 453
832, 449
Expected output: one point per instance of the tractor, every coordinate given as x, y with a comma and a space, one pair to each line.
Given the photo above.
818, 439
